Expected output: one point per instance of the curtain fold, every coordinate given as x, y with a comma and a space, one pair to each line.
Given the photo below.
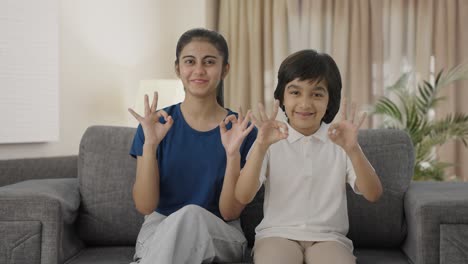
450, 39
256, 32
342, 29
372, 41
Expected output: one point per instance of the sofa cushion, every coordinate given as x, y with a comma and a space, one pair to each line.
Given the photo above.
252, 215
380, 256
382, 224
103, 255
21, 242
106, 173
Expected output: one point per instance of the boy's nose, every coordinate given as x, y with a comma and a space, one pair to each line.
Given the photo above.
306, 103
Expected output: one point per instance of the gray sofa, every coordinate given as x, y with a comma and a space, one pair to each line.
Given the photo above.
79, 210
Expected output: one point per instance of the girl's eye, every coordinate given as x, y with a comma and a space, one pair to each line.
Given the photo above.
317, 95
210, 62
188, 61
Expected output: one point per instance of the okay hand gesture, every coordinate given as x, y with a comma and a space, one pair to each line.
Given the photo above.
154, 130
344, 132
270, 130
233, 138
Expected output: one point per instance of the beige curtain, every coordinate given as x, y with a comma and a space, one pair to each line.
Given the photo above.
450, 42
372, 41
342, 29
256, 32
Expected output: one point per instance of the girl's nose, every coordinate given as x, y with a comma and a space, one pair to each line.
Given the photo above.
199, 69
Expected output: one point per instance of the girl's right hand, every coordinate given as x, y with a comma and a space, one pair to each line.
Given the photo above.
154, 130
270, 130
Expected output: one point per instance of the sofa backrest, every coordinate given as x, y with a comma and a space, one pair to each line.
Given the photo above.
380, 224
106, 173
108, 216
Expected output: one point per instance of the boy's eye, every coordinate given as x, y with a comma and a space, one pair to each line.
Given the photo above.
294, 92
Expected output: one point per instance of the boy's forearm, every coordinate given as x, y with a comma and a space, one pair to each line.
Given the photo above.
146, 187
367, 181
229, 207
248, 182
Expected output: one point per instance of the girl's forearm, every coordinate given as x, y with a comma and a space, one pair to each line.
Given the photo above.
248, 182
229, 207
146, 187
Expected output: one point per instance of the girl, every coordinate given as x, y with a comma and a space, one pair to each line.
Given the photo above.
189, 156
305, 166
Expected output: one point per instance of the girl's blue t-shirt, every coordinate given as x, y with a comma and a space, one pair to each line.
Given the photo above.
191, 163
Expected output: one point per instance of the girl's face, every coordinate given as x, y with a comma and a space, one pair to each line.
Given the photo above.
200, 68
305, 103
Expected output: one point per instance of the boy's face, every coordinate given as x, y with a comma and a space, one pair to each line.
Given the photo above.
305, 103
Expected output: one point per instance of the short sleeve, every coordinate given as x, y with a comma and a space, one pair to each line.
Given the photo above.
138, 141
351, 175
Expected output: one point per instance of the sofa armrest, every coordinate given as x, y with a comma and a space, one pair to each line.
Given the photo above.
16, 170
437, 218
37, 219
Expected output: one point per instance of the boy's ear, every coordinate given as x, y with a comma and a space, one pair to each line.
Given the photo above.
176, 69
225, 71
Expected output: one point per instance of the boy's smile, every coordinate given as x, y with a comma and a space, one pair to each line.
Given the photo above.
305, 103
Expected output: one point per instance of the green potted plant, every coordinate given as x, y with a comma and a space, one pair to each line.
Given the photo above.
412, 110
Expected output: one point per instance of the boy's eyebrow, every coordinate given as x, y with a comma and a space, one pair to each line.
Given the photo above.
320, 88
315, 88
293, 86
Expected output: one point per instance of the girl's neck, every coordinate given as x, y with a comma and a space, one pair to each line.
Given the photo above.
202, 114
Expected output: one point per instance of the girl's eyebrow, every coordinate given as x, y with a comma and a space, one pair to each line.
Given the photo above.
193, 57
210, 57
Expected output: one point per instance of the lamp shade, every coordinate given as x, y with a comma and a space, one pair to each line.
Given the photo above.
170, 91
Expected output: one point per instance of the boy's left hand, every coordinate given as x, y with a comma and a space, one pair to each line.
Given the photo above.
344, 132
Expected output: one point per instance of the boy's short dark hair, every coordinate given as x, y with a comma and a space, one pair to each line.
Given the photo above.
311, 65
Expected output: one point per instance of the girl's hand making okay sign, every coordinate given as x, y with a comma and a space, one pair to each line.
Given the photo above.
154, 130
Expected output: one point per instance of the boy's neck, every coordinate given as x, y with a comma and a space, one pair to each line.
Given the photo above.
303, 132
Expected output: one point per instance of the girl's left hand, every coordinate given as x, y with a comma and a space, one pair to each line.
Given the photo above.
344, 133
233, 138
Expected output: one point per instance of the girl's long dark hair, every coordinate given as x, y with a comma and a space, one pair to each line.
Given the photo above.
214, 38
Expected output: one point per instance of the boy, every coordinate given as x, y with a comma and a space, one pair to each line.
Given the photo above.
305, 166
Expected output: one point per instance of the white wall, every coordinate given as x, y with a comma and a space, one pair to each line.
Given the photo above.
106, 47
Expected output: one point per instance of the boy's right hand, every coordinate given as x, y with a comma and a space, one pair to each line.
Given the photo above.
154, 130
270, 130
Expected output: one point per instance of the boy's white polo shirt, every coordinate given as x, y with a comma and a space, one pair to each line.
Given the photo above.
305, 189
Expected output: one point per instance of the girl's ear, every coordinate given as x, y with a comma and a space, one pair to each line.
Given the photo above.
176, 69
225, 71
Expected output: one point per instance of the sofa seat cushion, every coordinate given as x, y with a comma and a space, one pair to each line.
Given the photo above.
103, 255
380, 256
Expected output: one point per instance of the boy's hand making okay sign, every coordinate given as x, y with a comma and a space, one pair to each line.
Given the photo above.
344, 132
270, 130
